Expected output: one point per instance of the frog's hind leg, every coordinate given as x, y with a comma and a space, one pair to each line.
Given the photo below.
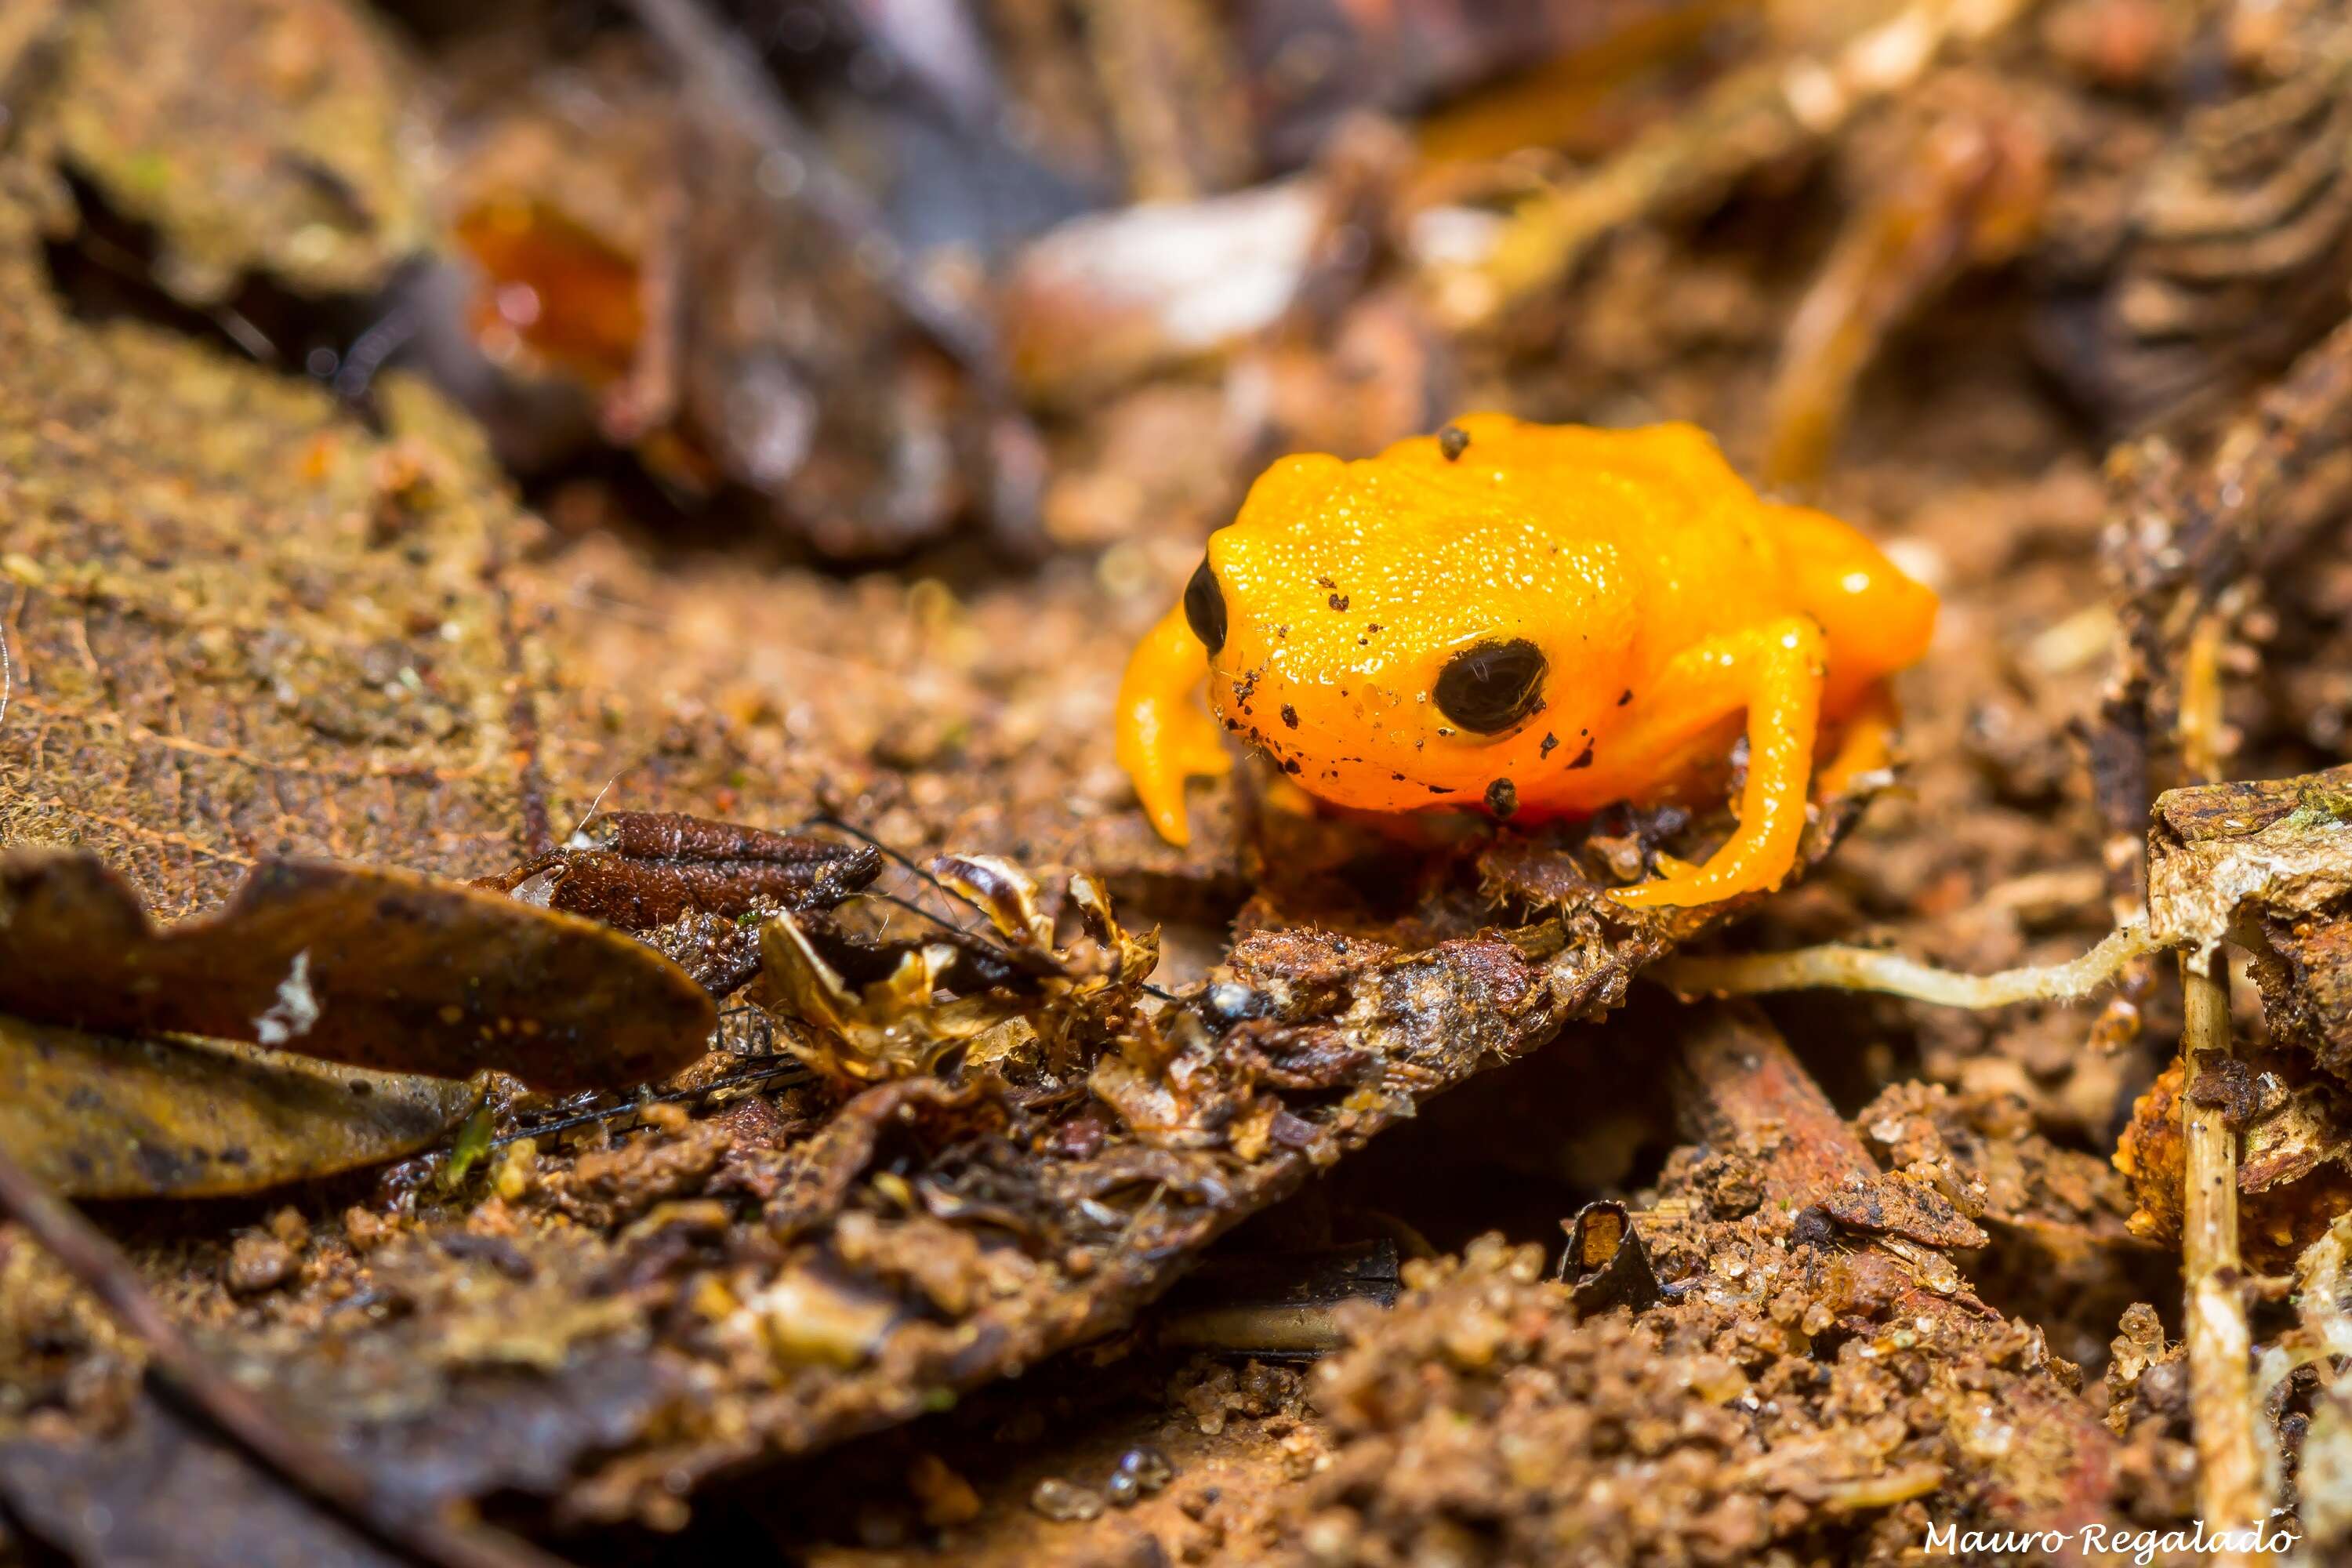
1867, 745
1775, 671
1165, 733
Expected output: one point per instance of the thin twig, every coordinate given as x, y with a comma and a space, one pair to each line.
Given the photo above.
1866, 968
1755, 116
310, 1466
2219, 1344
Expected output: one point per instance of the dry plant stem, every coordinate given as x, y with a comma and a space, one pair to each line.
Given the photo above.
2220, 1346
1836, 968
306, 1466
1757, 115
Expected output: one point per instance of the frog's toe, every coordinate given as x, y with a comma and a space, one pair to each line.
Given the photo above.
1185, 744
1162, 796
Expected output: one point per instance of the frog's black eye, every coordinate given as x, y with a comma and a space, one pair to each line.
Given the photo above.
1205, 606
1491, 686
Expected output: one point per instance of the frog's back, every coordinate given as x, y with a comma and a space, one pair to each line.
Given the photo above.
1679, 518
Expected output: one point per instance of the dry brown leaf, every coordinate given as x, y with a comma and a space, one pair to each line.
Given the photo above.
100, 1116
374, 967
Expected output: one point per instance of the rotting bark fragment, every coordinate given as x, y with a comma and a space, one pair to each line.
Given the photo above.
100, 1117
2267, 865
374, 967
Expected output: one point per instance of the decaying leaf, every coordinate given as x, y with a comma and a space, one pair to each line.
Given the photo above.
885, 1009
374, 967
100, 1116
239, 621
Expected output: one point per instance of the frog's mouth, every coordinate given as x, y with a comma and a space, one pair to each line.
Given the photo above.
1332, 765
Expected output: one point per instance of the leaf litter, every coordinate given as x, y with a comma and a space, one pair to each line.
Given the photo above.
786, 1268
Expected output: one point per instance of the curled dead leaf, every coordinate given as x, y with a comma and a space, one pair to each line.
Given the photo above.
885, 1009
378, 968
98, 1116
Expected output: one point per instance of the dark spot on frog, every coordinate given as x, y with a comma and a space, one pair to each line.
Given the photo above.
1550, 741
1453, 440
1290, 766
1502, 797
1338, 601
1325, 582
1290, 715
1584, 758
1625, 697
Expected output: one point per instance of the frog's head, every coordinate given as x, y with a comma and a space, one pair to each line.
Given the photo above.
1397, 633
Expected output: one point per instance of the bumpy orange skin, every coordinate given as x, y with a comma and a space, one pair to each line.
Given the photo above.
1667, 598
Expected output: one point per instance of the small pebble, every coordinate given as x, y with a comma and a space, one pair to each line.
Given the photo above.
1058, 1501
1149, 1467
1122, 1490
256, 1263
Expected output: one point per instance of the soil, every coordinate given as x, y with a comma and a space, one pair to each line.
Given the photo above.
1882, 1271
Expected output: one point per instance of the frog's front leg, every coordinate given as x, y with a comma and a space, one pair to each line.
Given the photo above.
1775, 672
1165, 731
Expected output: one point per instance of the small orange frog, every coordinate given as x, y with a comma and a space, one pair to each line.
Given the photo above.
1535, 621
